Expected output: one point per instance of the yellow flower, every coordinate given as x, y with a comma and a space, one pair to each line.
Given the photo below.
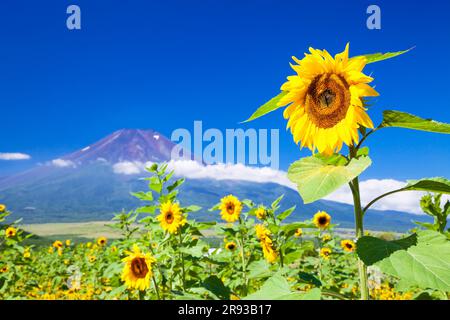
2, 208
113, 249
348, 245
234, 297
102, 241
261, 213
298, 232
231, 246
326, 100
326, 237
10, 232
4, 269
92, 259
27, 253
230, 208
57, 244
325, 252
88, 245
322, 219
68, 243
263, 235
171, 218
262, 232
60, 251
50, 250
269, 253
138, 269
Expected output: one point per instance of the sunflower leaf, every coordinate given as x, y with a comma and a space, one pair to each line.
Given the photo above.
424, 265
316, 178
266, 108
375, 57
439, 185
392, 118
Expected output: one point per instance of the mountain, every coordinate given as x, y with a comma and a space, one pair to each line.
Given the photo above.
85, 186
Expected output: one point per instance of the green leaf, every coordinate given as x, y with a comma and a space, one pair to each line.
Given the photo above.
371, 249
440, 185
375, 57
216, 286
259, 269
283, 215
192, 208
392, 118
424, 265
277, 288
269, 106
315, 178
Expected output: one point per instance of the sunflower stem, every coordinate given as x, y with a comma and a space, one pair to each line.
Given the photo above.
359, 230
182, 264
244, 268
156, 288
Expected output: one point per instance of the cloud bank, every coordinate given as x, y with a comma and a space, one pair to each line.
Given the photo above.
14, 156
370, 189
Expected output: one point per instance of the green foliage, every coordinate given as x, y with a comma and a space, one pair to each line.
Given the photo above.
317, 177
405, 120
421, 261
431, 205
376, 57
266, 108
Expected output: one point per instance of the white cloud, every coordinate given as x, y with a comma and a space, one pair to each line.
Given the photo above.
61, 163
14, 156
370, 189
128, 167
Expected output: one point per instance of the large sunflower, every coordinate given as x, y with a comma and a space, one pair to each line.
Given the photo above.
171, 218
230, 208
138, 269
326, 100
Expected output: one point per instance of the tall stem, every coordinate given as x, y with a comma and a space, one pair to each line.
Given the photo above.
244, 267
359, 230
182, 263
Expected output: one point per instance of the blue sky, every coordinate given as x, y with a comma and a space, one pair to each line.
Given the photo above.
164, 64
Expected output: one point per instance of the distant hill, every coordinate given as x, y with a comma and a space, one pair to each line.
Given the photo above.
83, 186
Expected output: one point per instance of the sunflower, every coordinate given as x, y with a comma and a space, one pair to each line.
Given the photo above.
268, 251
231, 246
26, 253
298, 233
322, 219
4, 269
10, 232
138, 269
92, 259
57, 244
261, 213
262, 232
68, 243
102, 241
171, 217
230, 208
325, 253
326, 237
326, 100
348, 245
2, 208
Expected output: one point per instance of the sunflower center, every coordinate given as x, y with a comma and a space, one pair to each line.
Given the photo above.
139, 267
349, 246
327, 100
230, 208
322, 220
169, 217
231, 246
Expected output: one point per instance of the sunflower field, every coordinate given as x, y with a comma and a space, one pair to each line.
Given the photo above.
164, 253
